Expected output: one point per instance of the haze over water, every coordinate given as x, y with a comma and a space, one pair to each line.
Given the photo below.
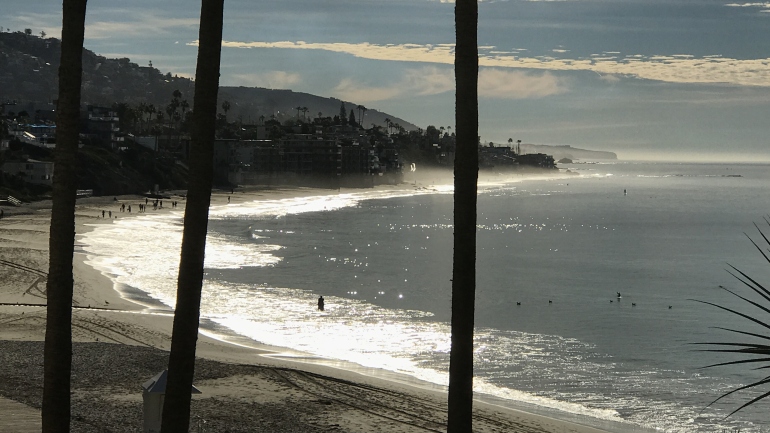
382, 260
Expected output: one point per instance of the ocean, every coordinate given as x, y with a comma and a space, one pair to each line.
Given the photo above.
563, 247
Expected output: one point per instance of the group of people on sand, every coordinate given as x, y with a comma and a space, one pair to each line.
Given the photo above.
156, 204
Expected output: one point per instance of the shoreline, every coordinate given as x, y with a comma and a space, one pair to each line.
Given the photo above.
110, 315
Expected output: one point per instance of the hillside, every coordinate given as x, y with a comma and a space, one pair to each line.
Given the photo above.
28, 74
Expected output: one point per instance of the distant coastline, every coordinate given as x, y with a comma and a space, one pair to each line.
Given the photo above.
566, 151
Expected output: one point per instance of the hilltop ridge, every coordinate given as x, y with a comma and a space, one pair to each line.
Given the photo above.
29, 74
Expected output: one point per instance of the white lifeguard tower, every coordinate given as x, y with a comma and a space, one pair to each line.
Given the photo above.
154, 393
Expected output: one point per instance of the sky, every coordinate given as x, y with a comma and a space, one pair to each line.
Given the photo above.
677, 80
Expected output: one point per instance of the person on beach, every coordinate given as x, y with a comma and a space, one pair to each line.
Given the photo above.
129, 208
102, 214
228, 199
2, 213
320, 303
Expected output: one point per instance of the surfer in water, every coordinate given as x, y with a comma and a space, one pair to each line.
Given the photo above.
619, 295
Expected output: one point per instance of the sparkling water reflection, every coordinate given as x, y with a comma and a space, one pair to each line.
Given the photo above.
382, 260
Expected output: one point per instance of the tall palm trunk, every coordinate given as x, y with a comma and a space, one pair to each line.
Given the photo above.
181, 365
57, 364
466, 178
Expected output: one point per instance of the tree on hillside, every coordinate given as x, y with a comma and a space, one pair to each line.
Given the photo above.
226, 108
150, 111
460, 410
361, 112
57, 364
181, 365
184, 105
343, 113
352, 118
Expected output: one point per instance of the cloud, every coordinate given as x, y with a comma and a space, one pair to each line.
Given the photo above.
764, 6
350, 90
679, 68
137, 24
269, 80
49, 23
430, 80
503, 84
493, 83
609, 78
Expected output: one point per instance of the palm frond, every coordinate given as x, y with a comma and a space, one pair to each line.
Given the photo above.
766, 337
751, 385
759, 289
757, 352
742, 361
757, 321
759, 349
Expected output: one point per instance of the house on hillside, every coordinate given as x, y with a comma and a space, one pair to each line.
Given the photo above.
540, 160
31, 171
103, 123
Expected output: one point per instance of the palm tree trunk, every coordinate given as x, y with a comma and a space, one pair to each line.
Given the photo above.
57, 364
181, 365
466, 178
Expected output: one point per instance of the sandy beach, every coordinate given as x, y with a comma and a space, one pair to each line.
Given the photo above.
119, 344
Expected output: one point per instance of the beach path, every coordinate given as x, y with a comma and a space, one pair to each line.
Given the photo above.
18, 418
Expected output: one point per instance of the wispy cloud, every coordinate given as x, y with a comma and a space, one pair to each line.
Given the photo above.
764, 6
109, 24
47, 22
679, 68
504, 84
137, 24
269, 80
432, 80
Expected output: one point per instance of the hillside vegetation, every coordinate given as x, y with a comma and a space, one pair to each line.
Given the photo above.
28, 74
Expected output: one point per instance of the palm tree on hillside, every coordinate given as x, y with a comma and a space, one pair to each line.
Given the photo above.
57, 357
361, 113
460, 408
181, 364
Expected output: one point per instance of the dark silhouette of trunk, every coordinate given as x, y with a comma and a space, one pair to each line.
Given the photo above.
57, 364
181, 365
466, 178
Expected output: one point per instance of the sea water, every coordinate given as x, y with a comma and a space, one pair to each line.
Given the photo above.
551, 333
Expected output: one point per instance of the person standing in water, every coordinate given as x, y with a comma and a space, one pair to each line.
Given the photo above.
320, 303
